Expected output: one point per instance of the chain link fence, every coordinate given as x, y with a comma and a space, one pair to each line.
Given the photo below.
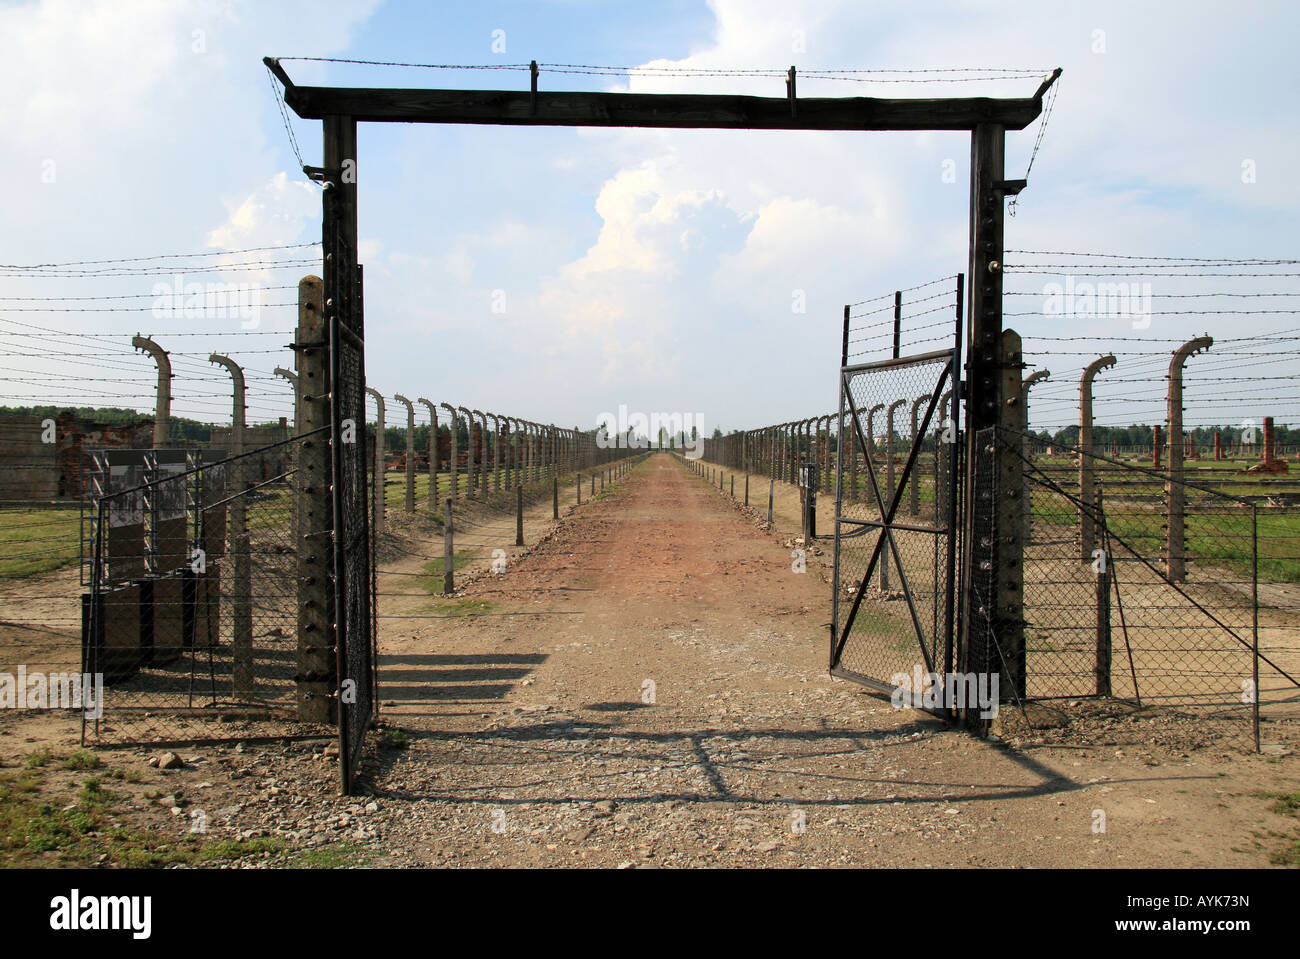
1130, 632
191, 595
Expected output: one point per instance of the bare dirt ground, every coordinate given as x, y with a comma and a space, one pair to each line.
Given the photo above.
647, 686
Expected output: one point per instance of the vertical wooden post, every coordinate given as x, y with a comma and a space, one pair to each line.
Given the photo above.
1011, 520
981, 626
519, 516
555, 495
898, 321
316, 662
448, 551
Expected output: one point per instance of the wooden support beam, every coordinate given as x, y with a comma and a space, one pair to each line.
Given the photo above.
662, 110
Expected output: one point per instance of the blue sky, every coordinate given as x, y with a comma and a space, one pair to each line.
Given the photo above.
655, 269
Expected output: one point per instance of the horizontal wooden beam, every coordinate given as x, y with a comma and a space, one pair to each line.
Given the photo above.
672, 110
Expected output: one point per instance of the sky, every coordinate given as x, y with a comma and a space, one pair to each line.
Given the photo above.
556, 274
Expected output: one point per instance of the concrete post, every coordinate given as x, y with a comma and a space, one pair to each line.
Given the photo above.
163, 399
1087, 524
469, 452
297, 431
889, 482
410, 451
1175, 493
871, 447
433, 453
481, 449
914, 494
1025, 449
455, 454
240, 584
377, 520
496, 453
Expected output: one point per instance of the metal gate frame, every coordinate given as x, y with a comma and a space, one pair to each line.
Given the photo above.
353, 573
887, 524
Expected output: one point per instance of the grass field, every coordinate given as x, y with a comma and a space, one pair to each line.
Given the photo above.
37, 541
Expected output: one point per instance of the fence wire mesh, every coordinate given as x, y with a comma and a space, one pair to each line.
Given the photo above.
894, 573
1193, 638
191, 606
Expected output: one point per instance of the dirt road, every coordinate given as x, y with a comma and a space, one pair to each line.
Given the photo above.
648, 686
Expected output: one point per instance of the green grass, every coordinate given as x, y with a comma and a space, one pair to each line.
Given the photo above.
38, 828
38, 541
431, 580
1285, 804
339, 855
394, 739
464, 607
81, 759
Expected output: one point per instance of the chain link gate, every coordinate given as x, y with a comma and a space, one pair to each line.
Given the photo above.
353, 572
896, 576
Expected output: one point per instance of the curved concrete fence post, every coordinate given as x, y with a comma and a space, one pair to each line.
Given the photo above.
470, 427
163, 399
433, 452
1087, 491
410, 450
377, 522
454, 460
1175, 494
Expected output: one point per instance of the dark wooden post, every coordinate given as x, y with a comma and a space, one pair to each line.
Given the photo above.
985, 619
519, 516
898, 321
1011, 521
316, 678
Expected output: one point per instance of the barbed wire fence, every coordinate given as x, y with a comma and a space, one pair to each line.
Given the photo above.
1157, 495
150, 494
